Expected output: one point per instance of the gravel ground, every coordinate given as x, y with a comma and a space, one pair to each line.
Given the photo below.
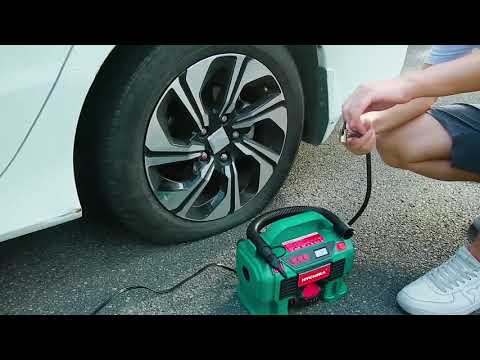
411, 225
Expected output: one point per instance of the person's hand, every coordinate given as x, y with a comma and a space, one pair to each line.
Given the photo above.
374, 96
363, 144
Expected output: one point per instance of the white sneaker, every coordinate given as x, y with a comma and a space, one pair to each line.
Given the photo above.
453, 288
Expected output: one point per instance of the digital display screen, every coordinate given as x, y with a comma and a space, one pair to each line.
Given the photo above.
321, 252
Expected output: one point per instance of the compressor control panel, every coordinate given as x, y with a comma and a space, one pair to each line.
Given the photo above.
306, 249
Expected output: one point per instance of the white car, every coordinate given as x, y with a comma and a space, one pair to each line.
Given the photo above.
177, 142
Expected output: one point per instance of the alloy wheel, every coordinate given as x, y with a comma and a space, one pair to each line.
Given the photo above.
215, 137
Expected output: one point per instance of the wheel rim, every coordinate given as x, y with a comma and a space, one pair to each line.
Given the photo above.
215, 137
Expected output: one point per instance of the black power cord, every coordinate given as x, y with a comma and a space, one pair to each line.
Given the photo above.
368, 158
160, 292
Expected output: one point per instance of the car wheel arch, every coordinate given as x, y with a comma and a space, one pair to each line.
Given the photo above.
310, 63
119, 59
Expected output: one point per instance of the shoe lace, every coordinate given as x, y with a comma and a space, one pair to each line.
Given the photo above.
453, 273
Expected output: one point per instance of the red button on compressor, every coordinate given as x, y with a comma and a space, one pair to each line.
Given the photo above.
341, 246
310, 291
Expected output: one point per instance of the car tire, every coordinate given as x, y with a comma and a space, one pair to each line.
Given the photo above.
118, 160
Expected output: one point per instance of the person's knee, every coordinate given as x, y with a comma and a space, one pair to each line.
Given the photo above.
391, 153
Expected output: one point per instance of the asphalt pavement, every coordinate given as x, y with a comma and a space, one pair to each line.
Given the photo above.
411, 225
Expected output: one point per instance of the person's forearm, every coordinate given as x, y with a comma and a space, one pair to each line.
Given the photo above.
455, 77
398, 115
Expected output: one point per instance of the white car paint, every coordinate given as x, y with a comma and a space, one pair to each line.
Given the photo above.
37, 188
27, 75
349, 66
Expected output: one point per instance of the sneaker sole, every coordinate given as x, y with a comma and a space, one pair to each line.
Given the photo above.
415, 311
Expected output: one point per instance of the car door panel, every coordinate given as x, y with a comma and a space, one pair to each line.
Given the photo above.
27, 75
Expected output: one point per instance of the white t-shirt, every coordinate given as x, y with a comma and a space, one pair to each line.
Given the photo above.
443, 53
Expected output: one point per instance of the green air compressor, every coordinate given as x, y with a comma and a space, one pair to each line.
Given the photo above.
293, 256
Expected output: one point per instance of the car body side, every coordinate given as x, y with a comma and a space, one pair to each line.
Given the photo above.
37, 177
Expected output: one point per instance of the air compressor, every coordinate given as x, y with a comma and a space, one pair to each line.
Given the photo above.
301, 258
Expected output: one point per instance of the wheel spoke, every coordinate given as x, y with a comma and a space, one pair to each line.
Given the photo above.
253, 70
266, 169
177, 87
234, 79
278, 115
224, 207
157, 141
195, 189
190, 189
161, 158
170, 185
272, 155
236, 187
195, 80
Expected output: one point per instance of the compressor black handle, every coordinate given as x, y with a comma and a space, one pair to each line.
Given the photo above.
266, 252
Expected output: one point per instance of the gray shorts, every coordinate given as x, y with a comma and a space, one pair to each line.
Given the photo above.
443, 53
462, 122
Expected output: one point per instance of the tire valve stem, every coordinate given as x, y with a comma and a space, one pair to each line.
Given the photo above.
224, 157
